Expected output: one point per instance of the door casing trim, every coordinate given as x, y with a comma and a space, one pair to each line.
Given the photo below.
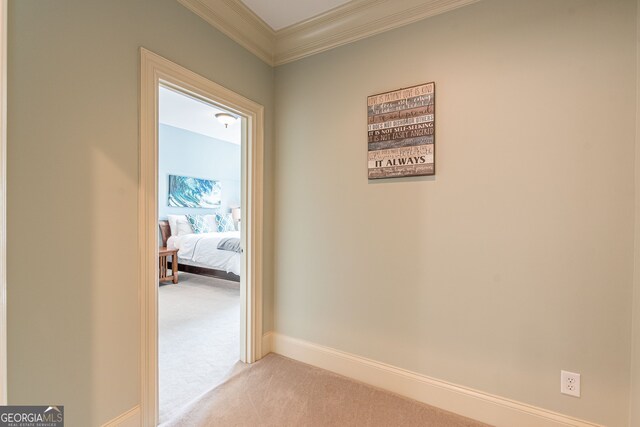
155, 71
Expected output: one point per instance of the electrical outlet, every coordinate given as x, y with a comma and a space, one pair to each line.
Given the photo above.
570, 383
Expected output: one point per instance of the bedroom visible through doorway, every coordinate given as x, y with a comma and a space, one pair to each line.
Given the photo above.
200, 256
156, 71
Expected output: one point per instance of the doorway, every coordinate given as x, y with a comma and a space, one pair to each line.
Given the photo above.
157, 72
199, 219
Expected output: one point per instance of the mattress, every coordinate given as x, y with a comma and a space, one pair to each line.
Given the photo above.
202, 250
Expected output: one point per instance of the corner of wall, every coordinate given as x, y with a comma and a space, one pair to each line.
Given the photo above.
634, 401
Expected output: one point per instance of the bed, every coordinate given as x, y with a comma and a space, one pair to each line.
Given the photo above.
199, 253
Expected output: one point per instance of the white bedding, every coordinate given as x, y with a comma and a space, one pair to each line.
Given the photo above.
203, 249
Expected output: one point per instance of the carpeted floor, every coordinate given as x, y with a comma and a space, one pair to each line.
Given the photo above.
199, 345
277, 391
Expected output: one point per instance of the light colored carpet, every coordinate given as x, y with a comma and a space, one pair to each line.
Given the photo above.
199, 321
277, 391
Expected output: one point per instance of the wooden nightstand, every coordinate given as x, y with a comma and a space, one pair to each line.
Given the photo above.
164, 254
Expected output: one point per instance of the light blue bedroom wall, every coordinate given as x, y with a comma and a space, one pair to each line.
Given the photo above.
191, 154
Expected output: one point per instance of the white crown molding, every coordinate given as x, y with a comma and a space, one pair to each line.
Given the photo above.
354, 21
488, 408
238, 22
350, 22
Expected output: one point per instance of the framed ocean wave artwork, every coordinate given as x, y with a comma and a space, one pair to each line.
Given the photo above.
187, 192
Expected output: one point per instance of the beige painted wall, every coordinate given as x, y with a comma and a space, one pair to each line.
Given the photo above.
72, 189
635, 354
516, 260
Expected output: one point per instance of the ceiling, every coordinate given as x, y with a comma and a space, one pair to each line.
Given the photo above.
279, 14
186, 113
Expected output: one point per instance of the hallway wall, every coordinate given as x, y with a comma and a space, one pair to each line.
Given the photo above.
516, 259
73, 314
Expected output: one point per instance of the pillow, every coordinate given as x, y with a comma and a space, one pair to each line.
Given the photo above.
173, 219
199, 224
224, 222
211, 220
179, 225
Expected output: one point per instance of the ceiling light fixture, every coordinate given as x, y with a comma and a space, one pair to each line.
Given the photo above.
226, 119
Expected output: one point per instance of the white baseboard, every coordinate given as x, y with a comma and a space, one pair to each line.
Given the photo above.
467, 402
131, 418
267, 340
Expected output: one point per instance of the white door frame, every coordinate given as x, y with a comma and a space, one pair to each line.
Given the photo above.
156, 70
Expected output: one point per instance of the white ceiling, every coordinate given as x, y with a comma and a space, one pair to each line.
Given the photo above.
282, 13
184, 112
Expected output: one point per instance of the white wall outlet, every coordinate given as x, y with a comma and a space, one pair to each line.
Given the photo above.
570, 383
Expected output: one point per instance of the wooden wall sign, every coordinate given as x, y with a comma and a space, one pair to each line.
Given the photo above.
401, 131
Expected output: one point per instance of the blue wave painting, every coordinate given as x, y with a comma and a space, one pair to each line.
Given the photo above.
186, 192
